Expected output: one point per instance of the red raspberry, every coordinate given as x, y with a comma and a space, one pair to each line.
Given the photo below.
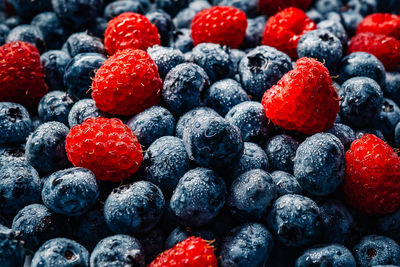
21, 74
385, 48
107, 147
284, 29
304, 99
381, 23
372, 180
191, 252
127, 83
270, 7
220, 25
130, 30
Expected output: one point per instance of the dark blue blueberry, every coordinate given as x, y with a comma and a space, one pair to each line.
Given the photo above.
180, 233
199, 5
116, 8
281, 150
45, 148
212, 141
332, 255
82, 42
79, 73
321, 45
11, 249
374, 250
184, 88
152, 124
185, 120
12, 154
38, 224
261, 68
392, 87
246, 245
53, 33
351, 21
4, 30
326, 6
81, 110
54, 63
15, 123
286, 183
363, 7
224, 95
55, 106
61, 252
165, 162
184, 18
337, 29
388, 118
361, 64
70, 192
118, 250
251, 194
314, 15
181, 39
198, 197
153, 244
319, 164
250, 7
376, 132
361, 99
215, 60
163, 22
345, 134
236, 56
165, 58
134, 208
295, 220
388, 6
254, 32
27, 33
397, 135
98, 28
28, 9
172, 7
389, 225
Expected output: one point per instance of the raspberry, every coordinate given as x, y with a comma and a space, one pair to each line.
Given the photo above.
191, 252
221, 25
385, 48
304, 99
127, 83
107, 147
381, 23
21, 74
284, 29
372, 180
270, 7
130, 30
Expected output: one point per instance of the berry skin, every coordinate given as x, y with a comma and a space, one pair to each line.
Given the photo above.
172, 7
388, 118
15, 123
81, 110
29, 34
4, 30
127, 83
163, 22
332, 255
186, 119
372, 176
116, 8
286, 183
181, 39
254, 32
221, 25
336, 28
381, 23
130, 30
54, 63
153, 244
385, 48
345, 134
284, 29
165, 58
392, 86
191, 252
304, 99
107, 147
55, 106
270, 7
388, 225
82, 42
281, 150
53, 33
21, 81
12, 252
180, 233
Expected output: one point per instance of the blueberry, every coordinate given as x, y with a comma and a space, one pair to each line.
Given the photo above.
388, 6
28, 9
15, 123
351, 21
4, 30
135, 208
54, 63
79, 73
27, 33
263, 67
172, 7
326, 6
388, 225
184, 18
215, 60
376, 132
295, 220
180, 233
224, 95
116, 8
82, 42
184, 88
153, 244
165, 58
361, 99
98, 28
236, 57
53, 33
254, 32
186, 119
71, 192
81, 110
388, 118
165, 162
198, 197
250, 7
392, 86
374, 250
246, 245
364, 7
181, 39
314, 15
332, 255
61, 252
337, 29
163, 22
397, 135
12, 154
212, 141
286, 183
345, 134
11, 249
361, 64
281, 150
55, 106
45, 148
118, 250
199, 5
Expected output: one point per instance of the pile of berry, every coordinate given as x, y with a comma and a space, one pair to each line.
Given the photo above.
200, 133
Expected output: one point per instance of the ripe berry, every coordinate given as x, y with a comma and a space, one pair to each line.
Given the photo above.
337, 255
107, 147
130, 30
284, 29
381, 23
372, 180
221, 25
127, 83
270, 7
304, 99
